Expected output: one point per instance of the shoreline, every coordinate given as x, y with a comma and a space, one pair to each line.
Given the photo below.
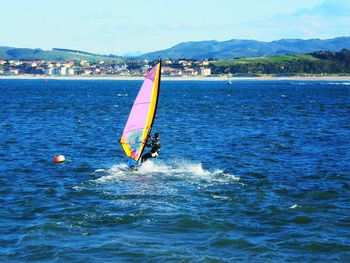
186, 78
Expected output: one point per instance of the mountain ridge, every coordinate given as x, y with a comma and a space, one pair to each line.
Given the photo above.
235, 48
207, 49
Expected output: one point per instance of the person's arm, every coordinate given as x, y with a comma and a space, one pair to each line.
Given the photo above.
149, 141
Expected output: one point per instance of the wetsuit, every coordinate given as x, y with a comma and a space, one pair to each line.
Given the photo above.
155, 144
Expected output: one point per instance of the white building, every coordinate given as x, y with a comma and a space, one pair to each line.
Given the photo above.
13, 71
70, 71
205, 71
50, 71
204, 63
62, 70
121, 66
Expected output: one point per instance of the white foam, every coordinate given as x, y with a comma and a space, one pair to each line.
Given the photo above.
293, 206
183, 169
116, 172
150, 167
338, 83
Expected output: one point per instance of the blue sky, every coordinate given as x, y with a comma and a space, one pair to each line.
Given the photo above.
119, 27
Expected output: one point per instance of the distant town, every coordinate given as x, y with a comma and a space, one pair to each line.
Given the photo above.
318, 63
176, 68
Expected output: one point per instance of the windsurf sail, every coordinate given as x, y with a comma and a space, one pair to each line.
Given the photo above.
142, 114
229, 81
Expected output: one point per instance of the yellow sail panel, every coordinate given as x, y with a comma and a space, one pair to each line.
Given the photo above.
127, 148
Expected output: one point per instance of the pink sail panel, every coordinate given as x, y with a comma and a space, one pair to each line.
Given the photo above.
142, 115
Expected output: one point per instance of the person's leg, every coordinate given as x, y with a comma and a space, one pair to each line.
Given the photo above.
145, 157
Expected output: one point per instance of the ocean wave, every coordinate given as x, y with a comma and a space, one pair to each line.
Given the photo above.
336, 83
305, 83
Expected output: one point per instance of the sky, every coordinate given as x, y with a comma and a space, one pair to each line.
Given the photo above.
122, 27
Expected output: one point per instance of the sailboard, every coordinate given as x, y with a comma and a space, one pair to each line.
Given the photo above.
141, 117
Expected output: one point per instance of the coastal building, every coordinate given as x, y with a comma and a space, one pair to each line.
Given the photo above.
69, 64
49, 65
11, 71
62, 71
171, 71
16, 63
87, 72
205, 71
185, 63
70, 71
38, 70
84, 63
127, 68
121, 67
96, 71
49, 71
190, 72
14, 71
124, 72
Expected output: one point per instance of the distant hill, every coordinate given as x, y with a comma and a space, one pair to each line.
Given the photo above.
53, 55
191, 50
247, 48
320, 62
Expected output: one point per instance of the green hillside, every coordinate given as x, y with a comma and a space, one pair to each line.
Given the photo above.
3, 53
52, 55
321, 62
264, 60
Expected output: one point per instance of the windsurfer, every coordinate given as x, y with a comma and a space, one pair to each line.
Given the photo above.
155, 144
141, 119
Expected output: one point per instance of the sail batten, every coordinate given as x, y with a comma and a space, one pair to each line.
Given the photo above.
142, 114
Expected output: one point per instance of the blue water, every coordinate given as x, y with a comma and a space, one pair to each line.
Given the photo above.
249, 172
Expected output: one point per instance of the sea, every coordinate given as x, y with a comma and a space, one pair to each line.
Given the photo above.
256, 171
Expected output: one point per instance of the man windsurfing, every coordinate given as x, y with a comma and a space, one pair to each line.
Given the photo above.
155, 147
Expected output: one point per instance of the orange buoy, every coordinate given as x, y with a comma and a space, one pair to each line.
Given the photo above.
58, 159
